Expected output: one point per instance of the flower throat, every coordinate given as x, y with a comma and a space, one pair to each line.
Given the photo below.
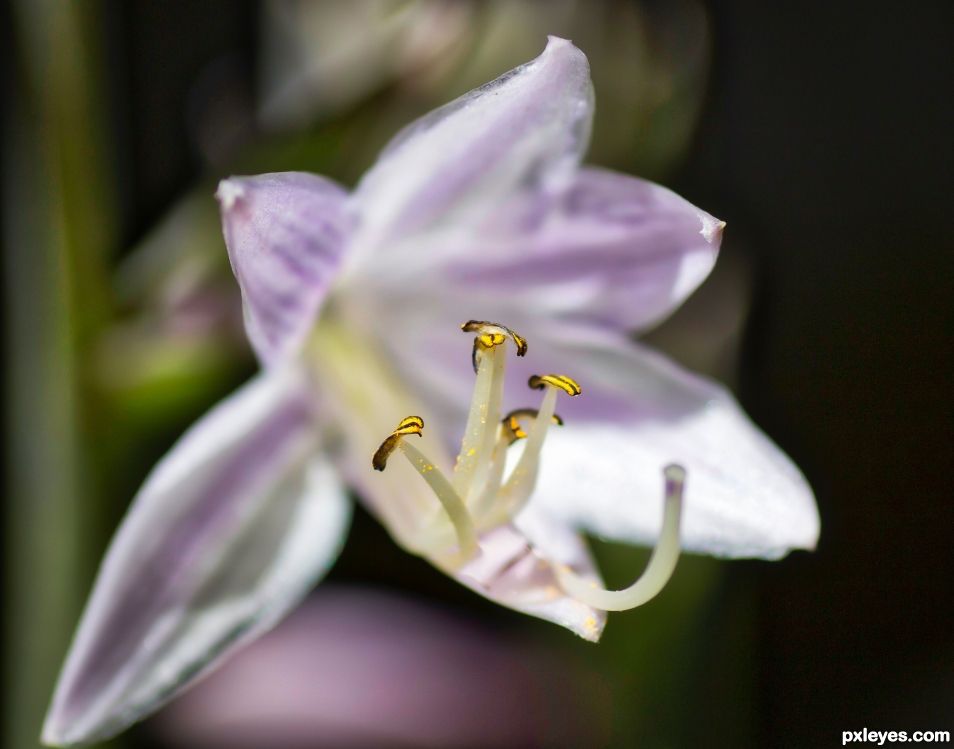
476, 496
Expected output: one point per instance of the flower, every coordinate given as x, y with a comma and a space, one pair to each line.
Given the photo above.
350, 300
337, 672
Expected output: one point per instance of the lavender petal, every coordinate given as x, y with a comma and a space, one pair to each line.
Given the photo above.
229, 531
612, 251
286, 234
527, 129
516, 570
744, 496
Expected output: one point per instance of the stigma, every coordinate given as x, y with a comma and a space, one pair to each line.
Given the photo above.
478, 494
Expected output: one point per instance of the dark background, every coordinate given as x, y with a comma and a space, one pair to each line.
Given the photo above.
826, 139
830, 128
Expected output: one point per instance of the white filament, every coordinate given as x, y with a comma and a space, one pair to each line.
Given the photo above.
658, 571
485, 455
481, 430
451, 502
494, 477
516, 492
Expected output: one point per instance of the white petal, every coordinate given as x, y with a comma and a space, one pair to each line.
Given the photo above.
230, 530
515, 569
744, 497
528, 128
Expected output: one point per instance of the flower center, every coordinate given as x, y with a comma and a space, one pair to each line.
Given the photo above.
476, 497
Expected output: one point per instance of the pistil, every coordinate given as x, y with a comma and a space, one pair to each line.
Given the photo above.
657, 572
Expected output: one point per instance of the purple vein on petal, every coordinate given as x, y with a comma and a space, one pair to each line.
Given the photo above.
166, 561
286, 234
525, 129
611, 250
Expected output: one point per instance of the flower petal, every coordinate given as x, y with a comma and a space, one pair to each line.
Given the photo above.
610, 251
515, 569
744, 497
229, 531
285, 234
527, 128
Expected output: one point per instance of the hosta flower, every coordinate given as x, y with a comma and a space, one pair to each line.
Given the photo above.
353, 303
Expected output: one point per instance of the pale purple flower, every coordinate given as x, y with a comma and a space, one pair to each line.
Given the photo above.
352, 302
359, 667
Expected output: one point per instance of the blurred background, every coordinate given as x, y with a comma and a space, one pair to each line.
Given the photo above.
821, 132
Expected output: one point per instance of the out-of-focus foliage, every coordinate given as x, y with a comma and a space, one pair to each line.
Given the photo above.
648, 67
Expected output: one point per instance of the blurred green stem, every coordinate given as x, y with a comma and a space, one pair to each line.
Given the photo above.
59, 223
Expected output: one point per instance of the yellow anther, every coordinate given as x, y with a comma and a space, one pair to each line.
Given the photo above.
520, 342
489, 340
513, 427
568, 385
491, 334
408, 425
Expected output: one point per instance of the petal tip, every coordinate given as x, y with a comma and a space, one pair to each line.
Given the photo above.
810, 525
555, 42
58, 729
229, 192
565, 48
56, 733
49, 737
286, 234
711, 229
811, 542
591, 629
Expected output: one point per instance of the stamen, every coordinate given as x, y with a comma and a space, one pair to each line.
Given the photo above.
568, 385
453, 505
449, 499
513, 423
658, 571
476, 451
511, 430
409, 425
493, 478
516, 492
491, 334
